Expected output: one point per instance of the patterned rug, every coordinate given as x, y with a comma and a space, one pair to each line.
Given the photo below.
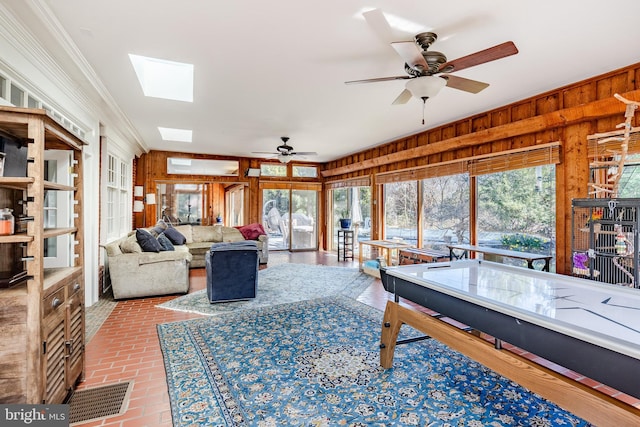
282, 284
315, 363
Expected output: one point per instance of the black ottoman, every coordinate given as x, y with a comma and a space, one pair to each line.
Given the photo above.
232, 271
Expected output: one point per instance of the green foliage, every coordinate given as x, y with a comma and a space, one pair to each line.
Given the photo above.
524, 242
520, 201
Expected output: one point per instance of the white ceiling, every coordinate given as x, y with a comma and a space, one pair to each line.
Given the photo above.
266, 69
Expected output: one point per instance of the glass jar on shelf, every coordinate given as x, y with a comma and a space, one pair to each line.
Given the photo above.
7, 222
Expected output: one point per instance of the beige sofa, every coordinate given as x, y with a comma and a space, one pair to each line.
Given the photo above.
135, 273
201, 237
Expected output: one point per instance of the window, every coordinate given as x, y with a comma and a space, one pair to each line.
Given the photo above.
273, 169
445, 211
3, 88
17, 96
305, 171
516, 209
629, 184
401, 211
118, 216
58, 209
32, 102
189, 166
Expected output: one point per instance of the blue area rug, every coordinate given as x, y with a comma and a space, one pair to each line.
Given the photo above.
316, 363
281, 284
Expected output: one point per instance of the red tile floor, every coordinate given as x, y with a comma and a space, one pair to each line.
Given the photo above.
126, 348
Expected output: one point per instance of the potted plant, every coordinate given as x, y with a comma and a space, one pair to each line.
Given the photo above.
345, 219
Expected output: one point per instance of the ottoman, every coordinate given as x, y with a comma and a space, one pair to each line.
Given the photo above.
232, 271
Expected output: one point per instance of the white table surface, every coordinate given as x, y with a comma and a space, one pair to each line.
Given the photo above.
599, 313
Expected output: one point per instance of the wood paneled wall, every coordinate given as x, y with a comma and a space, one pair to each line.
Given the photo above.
568, 114
151, 169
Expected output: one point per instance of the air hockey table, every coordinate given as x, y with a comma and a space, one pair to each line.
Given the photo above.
589, 327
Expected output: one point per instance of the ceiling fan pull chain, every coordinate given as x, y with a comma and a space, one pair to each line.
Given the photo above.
424, 102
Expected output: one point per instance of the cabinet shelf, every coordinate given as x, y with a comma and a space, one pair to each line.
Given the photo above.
15, 183
53, 232
16, 238
55, 186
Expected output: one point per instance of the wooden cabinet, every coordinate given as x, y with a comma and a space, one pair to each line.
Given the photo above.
42, 310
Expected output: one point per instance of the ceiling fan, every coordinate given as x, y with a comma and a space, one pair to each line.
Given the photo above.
285, 152
429, 71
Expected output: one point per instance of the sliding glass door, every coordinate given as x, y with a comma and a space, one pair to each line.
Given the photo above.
304, 221
275, 214
290, 218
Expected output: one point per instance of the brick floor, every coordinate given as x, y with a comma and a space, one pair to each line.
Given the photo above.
126, 347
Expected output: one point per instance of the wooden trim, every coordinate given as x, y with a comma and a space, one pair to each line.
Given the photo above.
517, 160
543, 122
363, 181
583, 401
531, 156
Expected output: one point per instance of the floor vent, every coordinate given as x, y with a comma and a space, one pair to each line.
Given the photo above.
99, 402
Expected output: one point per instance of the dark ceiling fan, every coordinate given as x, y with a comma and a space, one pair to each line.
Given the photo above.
285, 152
428, 71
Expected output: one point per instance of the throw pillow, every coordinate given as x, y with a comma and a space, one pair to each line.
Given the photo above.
165, 243
130, 245
174, 236
251, 231
147, 242
186, 231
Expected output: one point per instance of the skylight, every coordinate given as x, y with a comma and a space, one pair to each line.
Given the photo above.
179, 135
160, 78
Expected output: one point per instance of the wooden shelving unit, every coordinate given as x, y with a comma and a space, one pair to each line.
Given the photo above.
42, 318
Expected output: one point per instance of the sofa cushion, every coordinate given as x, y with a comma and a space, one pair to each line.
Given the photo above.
175, 236
165, 243
147, 241
230, 234
206, 233
130, 245
185, 230
251, 231
113, 248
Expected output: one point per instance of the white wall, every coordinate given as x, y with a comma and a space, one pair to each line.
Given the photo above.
24, 58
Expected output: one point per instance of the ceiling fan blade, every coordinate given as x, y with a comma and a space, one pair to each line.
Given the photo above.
403, 98
467, 85
304, 153
376, 20
410, 53
491, 54
378, 79
263, 152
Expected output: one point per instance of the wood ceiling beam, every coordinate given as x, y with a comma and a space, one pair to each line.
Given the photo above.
567, 116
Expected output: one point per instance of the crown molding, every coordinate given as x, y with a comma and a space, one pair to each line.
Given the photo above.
24, 40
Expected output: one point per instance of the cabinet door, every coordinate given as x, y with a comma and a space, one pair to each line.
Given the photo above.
74, 336
54, 348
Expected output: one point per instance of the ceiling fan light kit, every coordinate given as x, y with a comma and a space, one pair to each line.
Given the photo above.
284, 158
425, 87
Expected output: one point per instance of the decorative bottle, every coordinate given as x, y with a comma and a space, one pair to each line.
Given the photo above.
7, 222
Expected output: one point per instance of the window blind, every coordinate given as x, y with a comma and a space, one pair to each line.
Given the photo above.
515, 160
